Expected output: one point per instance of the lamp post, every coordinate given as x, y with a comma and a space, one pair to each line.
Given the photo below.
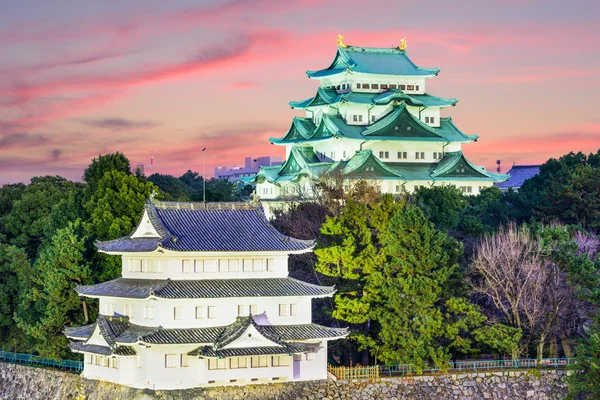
204, 176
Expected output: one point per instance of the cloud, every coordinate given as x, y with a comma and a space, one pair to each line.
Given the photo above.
117, 124
22, 139
55, 154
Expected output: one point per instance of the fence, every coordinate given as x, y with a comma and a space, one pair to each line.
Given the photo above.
30, 359
478, 365
352, 373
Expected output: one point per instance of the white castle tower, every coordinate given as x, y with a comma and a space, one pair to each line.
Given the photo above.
373, 119
204, 299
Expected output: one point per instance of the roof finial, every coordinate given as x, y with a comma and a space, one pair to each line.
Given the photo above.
340, 41
403, 45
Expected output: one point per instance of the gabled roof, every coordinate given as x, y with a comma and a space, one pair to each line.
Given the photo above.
400, 123
456, 166
518, 175
364, 164
416, 100
329, 127
79, 347
207, 227
368, 60
206, 288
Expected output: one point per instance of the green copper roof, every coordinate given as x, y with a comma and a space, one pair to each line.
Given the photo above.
400, 123
364, 164
368, 60
330, 97
455, 166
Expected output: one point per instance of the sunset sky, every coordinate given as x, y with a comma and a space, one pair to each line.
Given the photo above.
79, 78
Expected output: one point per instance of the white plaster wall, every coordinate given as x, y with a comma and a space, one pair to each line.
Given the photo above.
160, 377
170, 265
226, 311
316, 368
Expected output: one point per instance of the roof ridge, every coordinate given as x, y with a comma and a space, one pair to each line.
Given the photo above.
201, 206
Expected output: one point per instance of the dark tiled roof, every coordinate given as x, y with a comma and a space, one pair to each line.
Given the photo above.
80, 332
210, 227
246, 351
103, 350
219, 336
183, 336
518, 175
305, 332
209, 288
111, 327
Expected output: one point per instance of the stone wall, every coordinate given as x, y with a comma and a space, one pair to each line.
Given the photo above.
22, 382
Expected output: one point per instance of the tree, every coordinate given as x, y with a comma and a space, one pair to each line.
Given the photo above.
15, 277
584, 381
115, 208
52, 302
409, 295
26, 224
442, 205
350, 252
104, 163
172, 188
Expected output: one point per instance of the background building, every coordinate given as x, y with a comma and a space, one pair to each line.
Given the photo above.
204, 299
518, 175
251, 167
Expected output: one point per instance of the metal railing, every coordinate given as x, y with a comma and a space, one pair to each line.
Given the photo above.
478, 365
33, 360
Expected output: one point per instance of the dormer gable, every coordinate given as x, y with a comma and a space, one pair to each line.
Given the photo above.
145, 229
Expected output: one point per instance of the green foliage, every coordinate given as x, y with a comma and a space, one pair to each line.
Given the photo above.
104, 163
172, 189
501, 338
442, 205
584, 380
51, 302
25, 225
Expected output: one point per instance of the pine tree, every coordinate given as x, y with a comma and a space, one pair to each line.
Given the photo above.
51, 302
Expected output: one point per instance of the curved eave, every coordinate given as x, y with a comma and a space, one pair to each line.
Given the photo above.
280, 142
325, 73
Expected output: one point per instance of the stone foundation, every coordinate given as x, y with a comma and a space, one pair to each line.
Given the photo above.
22, 382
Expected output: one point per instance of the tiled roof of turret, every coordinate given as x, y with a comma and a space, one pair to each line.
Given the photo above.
368, 60
211, 227
207, 351
221, 335
518, 175
206, 288
102, 350
80, 332
384, 98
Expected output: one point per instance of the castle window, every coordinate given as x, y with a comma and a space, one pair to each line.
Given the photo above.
410, 87
217, 363
384, 154
344, 154
210, 266
242, 311
384, 86
375, 86
338, 87
257, 265
280, 361
360, 118
247, 265
185, 266
372, 118
358, 85
128, 310
238, 362
393, 86
234, 265
402, 87
294, 310
397, 188
110, 309
332, 155
355, 117
200, 312
310, 356
420, 155
177, 312
402, 155
417, 87
259, 362
223, 265
270, 265
114, 363
253, 309
212, 312
171, 360
198, 266
184, 361
283, 310
366, 86
148, 312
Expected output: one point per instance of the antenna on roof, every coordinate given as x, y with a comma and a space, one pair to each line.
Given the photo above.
204, 177
499, 162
